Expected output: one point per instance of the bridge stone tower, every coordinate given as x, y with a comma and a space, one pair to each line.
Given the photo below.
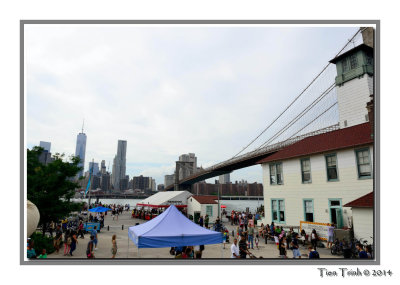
354, 81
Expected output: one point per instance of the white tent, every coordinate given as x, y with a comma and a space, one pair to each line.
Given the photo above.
166, 198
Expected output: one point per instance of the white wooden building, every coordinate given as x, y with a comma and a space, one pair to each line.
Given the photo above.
363, 214
314, 178
201, 205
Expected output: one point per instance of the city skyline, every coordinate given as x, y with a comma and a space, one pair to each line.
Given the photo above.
209, 94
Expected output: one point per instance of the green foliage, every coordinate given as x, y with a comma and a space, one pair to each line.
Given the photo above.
41, 241
51, 186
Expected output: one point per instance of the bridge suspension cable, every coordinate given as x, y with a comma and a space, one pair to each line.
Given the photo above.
299, 116
300, 95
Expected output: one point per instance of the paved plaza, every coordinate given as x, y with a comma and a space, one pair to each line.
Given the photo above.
130, 251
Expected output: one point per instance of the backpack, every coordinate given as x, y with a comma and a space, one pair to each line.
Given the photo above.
314, 254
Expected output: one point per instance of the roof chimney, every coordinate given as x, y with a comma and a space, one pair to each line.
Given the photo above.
368, 36
370, 108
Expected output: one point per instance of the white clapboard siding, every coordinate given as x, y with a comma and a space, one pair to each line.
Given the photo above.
352, 99
363, 223
348, 188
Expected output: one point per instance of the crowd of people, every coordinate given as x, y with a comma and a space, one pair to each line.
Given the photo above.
247, 237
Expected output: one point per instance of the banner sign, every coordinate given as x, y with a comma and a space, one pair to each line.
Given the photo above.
320, 228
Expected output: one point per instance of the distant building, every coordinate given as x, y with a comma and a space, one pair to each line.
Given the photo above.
141, 182
105, 182
45, 157
103, 169
123, 184
186, 166
226, 178
95, 182
119, 166
160, 187
45, 145
169, 180
80, 151
95, 166
228, 189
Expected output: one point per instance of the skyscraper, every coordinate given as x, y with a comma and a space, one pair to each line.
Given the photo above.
81, 150
45, 145
95, 165
103, 169
225, 178
119, 166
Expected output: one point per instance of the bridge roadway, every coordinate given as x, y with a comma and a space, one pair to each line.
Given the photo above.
242, 161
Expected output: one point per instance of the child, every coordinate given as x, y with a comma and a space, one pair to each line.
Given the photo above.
312, 253
282, 247
276, 238
224, 238
256, 241
44, 254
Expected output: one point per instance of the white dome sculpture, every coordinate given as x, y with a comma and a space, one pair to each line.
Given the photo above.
32, 218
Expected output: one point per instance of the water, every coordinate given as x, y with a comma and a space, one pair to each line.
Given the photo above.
237, 205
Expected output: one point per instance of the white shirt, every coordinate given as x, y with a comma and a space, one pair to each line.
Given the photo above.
234, 250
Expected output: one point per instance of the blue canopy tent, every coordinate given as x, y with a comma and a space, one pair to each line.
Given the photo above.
171, 229
99, 209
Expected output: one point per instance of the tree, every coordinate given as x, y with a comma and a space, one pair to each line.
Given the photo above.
51, 186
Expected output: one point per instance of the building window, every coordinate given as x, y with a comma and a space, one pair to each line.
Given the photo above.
363, 163
308, 210
305, 170
369, 60
331, 167
275, 173
345, 65
209, 210
278, 210
353, 61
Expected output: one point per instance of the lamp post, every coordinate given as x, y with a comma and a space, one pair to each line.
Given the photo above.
219, 206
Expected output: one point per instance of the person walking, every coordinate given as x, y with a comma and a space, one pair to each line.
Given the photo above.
235, 249
243, 250
74, 241
90, 247
201, 221
114, 248
257, 240
314, 238
250, 236
331, 231
67, 242
206, 221
80, 229
282, 247
295, 246
51, 228
57, 239
94, 235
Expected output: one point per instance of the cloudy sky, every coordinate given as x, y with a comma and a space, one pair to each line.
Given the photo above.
167, 90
